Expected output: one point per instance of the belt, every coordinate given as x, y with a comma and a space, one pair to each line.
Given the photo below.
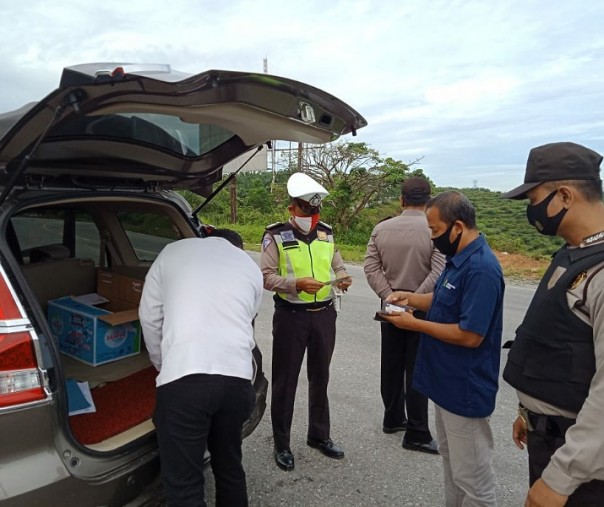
550, 425
307, 307
318, 309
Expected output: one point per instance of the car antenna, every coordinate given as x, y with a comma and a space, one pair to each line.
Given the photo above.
72, 99
226, 181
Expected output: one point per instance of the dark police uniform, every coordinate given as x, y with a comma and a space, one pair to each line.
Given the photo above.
553, 364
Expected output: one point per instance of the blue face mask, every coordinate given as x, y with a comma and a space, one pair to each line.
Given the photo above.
537, 216
444, 244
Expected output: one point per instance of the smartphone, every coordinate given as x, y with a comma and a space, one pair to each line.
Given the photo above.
392, 308
388, 308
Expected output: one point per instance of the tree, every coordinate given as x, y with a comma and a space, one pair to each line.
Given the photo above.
355, 176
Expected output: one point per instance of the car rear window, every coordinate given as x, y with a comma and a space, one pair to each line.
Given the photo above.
74, 229
164, 131
148, 232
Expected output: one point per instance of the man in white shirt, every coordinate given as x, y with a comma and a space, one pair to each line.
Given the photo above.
197, 309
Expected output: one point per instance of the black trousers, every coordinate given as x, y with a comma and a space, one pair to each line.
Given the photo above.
294, 333
542, 444
198, 411
399, 350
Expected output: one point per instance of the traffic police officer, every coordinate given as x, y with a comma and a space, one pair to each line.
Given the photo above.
300, 263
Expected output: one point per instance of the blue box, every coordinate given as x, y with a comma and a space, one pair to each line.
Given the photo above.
93, 335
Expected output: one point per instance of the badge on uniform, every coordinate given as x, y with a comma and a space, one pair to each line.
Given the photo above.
578, 280
321, 235
265, 242
288, 236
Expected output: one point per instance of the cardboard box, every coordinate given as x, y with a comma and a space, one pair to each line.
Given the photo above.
94, 335
122, 291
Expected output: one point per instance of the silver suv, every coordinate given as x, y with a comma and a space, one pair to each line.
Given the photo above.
87, 201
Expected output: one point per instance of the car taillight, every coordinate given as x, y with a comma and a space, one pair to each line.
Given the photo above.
8, 306
20, 380
19, 376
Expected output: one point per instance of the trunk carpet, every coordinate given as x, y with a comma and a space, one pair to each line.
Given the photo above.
120, 405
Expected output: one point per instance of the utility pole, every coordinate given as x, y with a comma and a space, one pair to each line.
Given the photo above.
300, 150
233, 199
273, 143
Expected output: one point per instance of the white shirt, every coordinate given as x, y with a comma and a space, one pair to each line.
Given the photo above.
198, 303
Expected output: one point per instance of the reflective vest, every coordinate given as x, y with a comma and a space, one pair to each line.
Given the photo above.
305, 256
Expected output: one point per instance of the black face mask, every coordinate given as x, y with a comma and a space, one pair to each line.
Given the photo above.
444, 244
537, 216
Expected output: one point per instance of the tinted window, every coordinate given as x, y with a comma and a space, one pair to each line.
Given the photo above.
72, 228
87, 238
163, 131
148, 233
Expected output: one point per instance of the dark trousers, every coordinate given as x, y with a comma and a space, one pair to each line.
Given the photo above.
294, 332
542, 444
399, 350
198, 411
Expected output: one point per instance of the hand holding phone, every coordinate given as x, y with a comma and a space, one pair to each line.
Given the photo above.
389, 309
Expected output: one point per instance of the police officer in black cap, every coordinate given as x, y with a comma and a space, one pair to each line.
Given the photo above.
556, 362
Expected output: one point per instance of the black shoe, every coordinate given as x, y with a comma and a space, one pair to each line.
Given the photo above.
395, 429
428, 447
284, 460
327, 447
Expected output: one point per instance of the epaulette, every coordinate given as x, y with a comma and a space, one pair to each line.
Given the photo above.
273, 226
327, 226
384, 219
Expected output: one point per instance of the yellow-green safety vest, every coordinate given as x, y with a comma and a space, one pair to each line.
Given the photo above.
298, 259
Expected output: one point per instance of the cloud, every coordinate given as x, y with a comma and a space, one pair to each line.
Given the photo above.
468, 85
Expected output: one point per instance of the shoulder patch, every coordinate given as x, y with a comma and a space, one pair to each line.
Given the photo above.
266, 241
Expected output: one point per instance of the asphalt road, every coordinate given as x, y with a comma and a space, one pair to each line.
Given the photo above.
376, 470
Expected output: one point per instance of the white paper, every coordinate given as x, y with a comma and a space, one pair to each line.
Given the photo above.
90, 299
336, 280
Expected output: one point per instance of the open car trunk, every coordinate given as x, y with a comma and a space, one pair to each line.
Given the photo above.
84, 260
121, 390
101, 246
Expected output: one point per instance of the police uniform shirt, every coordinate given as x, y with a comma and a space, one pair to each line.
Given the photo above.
581, 458
401, 256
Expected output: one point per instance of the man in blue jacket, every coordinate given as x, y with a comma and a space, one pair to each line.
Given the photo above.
457, 364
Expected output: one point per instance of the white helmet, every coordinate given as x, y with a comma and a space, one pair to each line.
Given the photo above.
302, 186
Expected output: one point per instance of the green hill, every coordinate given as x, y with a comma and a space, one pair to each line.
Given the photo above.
502, 221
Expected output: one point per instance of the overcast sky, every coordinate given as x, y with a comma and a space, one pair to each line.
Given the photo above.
467, 86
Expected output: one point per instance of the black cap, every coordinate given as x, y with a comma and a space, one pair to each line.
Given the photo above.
556, 162
416, 187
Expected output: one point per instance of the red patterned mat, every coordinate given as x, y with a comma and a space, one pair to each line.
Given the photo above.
120, 405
